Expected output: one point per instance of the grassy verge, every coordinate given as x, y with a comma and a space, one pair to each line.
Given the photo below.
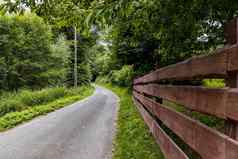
133, 139
26, 113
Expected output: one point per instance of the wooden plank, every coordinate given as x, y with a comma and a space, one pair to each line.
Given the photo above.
231, 149
146, 116
232, 58
205, 66
211, 66
204, 100
231, 32
167, 145
232, 112
209, 143
147, 103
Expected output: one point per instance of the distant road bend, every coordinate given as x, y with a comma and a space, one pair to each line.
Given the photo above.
83, 130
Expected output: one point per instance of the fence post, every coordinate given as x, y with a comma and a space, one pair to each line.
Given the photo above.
231, 35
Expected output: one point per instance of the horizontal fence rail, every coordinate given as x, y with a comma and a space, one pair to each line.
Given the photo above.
216, 65
149, 94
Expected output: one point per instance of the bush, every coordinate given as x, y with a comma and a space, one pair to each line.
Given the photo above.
123, 77
103, 79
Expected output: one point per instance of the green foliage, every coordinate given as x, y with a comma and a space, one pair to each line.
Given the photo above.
101, 61
133, 139
18, 101
155, 33
84, 73
29, 58
84, 44
103, 79
123, 77
60, 62
214, 83
144, 33
12, 119
23, 41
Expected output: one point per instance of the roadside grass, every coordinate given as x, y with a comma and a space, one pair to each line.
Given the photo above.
133, 139
23, 99
38, 103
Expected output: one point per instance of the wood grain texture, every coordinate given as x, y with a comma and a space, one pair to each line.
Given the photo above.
167, 145
231, 149
149, 104
146, 116
205, 100
209, 143
232, 104
232, 58
211, 66
216, 65
231, 32
222, 103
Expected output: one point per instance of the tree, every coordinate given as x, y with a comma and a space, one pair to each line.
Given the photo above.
27, 55
164, 32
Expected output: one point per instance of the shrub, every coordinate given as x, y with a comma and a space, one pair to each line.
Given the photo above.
103, 79
123, 77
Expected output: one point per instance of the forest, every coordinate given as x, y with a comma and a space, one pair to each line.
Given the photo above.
52, 50
117, 40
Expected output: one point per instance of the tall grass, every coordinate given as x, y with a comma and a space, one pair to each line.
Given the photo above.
18, 101
26, 105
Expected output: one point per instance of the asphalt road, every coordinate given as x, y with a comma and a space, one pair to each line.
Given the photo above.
83, 130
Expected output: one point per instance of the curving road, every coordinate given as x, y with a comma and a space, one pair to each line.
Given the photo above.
83, 130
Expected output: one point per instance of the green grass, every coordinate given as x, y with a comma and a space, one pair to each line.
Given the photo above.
21, 100
39, 105
133, 139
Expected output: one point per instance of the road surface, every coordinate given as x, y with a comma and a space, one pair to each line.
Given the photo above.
83, 130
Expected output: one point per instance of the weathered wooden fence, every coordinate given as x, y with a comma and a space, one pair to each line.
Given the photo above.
222, 103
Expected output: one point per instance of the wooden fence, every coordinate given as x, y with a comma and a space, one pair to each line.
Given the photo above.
222, 103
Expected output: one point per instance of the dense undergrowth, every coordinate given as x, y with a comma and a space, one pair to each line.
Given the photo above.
133, 139
16, 108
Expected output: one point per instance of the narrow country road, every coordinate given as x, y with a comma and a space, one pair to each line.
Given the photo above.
83, 130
